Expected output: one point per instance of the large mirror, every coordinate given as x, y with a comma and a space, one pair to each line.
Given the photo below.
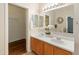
61, 19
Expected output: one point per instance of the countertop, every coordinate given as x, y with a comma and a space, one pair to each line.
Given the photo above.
65, 44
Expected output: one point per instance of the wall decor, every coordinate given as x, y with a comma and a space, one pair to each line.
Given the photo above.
60, 20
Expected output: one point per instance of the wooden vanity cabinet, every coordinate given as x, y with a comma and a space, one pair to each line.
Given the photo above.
33, 44
59, 51
37, 46
48, 49
43, 48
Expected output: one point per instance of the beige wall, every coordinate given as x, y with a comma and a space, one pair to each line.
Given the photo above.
2, 28
76, 28
17, 26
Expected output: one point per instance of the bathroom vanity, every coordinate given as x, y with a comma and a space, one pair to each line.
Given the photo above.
47, 46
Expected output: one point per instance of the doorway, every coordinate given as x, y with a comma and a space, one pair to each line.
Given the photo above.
17, 30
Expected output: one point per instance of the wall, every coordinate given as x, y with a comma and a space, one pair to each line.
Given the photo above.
2, 37
76, 28
17, 26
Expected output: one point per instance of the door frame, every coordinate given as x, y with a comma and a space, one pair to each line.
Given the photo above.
7, 26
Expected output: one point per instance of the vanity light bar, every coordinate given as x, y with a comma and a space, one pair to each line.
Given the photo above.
56, 7
53, 6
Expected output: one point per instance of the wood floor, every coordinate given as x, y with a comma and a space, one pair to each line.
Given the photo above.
29, 53
17, 47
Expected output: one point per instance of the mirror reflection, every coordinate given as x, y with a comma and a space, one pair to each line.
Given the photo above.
61, 19
58, 20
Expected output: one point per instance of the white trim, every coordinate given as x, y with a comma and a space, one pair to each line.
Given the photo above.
27, 26
6, 28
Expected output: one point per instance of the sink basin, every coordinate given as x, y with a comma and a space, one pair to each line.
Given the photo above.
52, 38
57, 40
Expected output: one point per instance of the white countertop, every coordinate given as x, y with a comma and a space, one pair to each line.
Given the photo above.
65, 44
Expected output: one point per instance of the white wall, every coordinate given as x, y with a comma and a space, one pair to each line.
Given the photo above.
76, 28
17, 26
2, 28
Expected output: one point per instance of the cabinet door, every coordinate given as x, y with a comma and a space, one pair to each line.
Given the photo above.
48, 49
33, 44
37, 46
59, 51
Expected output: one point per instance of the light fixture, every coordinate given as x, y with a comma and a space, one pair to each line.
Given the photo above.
53, 5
